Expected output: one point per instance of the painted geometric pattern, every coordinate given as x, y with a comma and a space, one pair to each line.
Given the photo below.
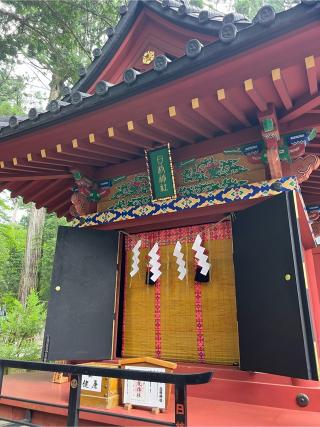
245, 192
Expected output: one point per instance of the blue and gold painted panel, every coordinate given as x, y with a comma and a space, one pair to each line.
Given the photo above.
217, 197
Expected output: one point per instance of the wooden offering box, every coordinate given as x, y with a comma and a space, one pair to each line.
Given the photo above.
99, 392
144, 393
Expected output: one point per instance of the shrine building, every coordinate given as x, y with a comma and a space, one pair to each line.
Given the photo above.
186, 160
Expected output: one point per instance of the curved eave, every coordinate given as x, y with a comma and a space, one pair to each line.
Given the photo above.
211, 54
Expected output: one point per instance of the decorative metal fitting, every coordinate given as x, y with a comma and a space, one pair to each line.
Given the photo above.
123, 9
193, 48
54, 106
77, 97
183, 10
203, 16
13, 122
229, 18
160, 63
82, 71
96, 52
130, 76
65, 91
33, 114
110, 31
227, 33
102, 87
302, 400
266, 15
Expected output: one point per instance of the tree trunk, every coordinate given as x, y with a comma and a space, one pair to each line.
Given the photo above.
29, 274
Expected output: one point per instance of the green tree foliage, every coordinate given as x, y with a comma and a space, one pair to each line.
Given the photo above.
249, 8
12, 244
55, 35
11, 91
20, 330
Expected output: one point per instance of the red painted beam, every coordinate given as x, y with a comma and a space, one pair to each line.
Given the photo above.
71, 153
255, 96
64, 193
155, 135
116, 146
36, 177
301, 107
281, 88
91, 147
232, 108
121, 136
311, 71
204, 108
48, 189
188, 120
174, 130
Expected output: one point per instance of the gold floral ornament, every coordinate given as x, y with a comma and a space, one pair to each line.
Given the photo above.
148, 57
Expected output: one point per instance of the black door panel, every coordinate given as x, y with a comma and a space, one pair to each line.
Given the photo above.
273, 315
81, 306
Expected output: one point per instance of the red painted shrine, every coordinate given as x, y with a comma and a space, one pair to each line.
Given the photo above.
186, 159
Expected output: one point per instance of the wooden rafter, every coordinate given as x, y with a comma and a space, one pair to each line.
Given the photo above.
58, 205
281, 88
188, 121
13, 167
71, 153
255, 96
3, 186
155, 135
71, 162
95, 145
30, 195
311, 71
301, 107
204, 109
174, 130
114, 145
36, 167
64, 211
121, 136
15, 188
47, 189
231, 107
57, 195
28, 177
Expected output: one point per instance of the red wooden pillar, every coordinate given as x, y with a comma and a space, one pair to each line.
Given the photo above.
270, 134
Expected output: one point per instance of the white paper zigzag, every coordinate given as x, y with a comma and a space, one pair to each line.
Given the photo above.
154, 263
200, 255
180, 261
135, 259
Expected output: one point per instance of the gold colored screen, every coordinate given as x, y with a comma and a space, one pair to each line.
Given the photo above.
182, 319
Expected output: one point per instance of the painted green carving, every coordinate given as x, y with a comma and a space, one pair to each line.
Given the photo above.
209, 168
193, 190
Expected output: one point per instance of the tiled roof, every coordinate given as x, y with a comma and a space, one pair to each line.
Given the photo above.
236, 35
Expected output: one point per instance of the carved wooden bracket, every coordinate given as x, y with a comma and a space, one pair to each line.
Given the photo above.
316, 228
86, 195
302, 167
271, 136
